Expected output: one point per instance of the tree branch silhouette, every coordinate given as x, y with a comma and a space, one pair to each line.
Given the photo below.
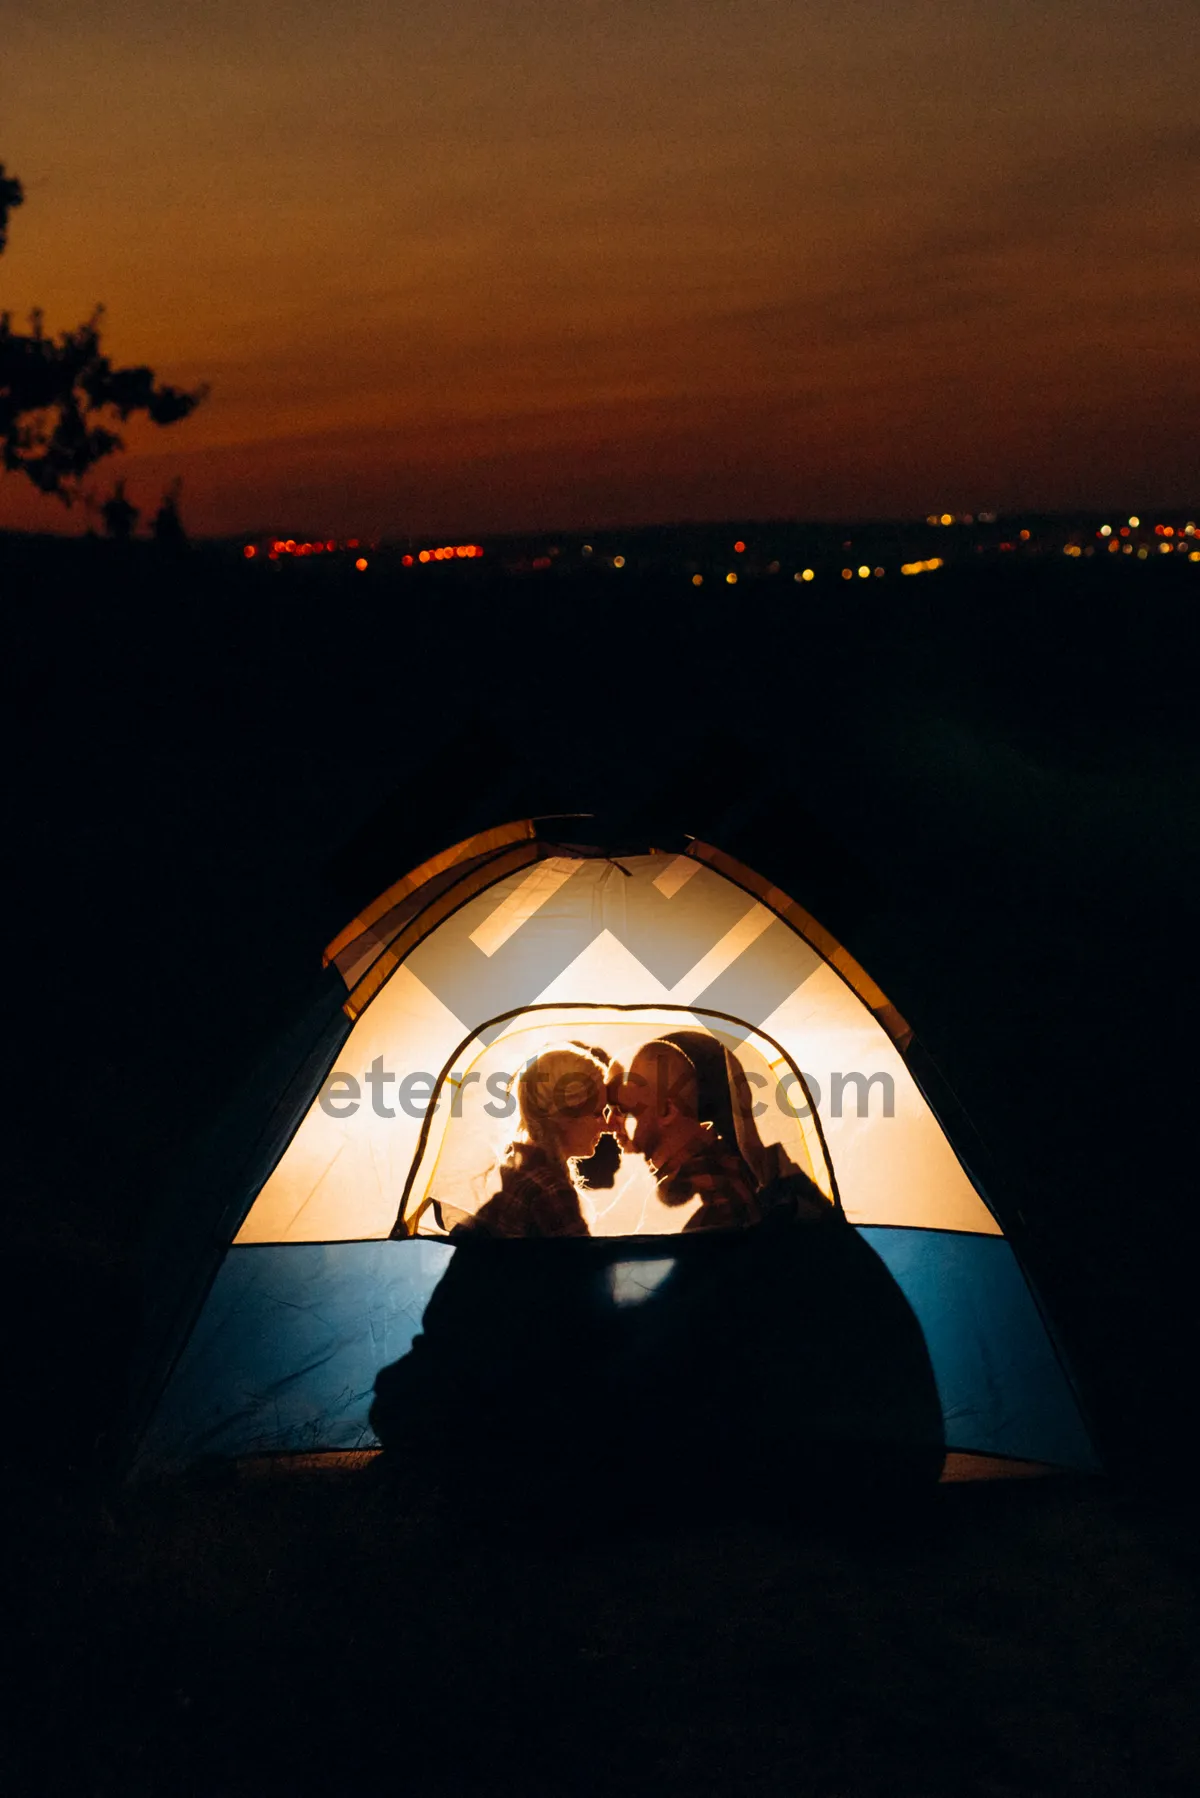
52, 389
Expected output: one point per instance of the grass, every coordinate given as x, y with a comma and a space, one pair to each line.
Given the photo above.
315, 1628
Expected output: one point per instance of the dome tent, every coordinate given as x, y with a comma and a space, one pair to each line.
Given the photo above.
387, 1103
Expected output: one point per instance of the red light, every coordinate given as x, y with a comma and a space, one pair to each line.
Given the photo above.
331, 545
361, 564
352, 543
738, 547
248, 551
1124, 530
407, 561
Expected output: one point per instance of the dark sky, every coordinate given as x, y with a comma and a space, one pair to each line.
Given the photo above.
494, 264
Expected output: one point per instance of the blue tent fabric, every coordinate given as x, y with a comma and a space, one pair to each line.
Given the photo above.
290, 1340
1002, 1387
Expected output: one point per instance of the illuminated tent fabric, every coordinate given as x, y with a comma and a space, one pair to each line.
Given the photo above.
505, 943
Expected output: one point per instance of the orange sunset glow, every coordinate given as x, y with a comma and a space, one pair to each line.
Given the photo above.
495, 267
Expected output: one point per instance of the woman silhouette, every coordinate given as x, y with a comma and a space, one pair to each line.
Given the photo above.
561, 1096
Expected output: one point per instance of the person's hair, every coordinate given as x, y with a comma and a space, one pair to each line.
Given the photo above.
675, 1076
558, 1080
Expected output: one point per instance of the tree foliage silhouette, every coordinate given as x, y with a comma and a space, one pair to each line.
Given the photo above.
51, 391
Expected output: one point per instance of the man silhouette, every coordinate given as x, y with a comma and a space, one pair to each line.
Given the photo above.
659, 1098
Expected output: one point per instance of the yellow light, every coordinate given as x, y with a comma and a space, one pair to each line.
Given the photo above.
807, 575
1143, 553
921, 567
697, 580
361, 563
847, 574
947, 518
618, 561
1164, 549
864, 573
738, 547
731, 580
1134, 521
1194, 555
1106, 530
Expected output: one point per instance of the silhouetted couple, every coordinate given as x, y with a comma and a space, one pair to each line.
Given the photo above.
568, 1098
760, 1351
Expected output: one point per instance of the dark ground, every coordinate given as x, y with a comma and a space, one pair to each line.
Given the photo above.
1003, 771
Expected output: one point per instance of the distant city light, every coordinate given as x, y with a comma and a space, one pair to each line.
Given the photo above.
806, 574
738, 547
1134, 521
1194, 555
921, 567
864, 573
731, 579
618, 561
697, 580
1106, 530
1024, 535
879, 574
352, 543
1164, 549
361, 563
847, 574
1143, 553
947, 518
423, 556
249, 551
406, 561
587, 549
